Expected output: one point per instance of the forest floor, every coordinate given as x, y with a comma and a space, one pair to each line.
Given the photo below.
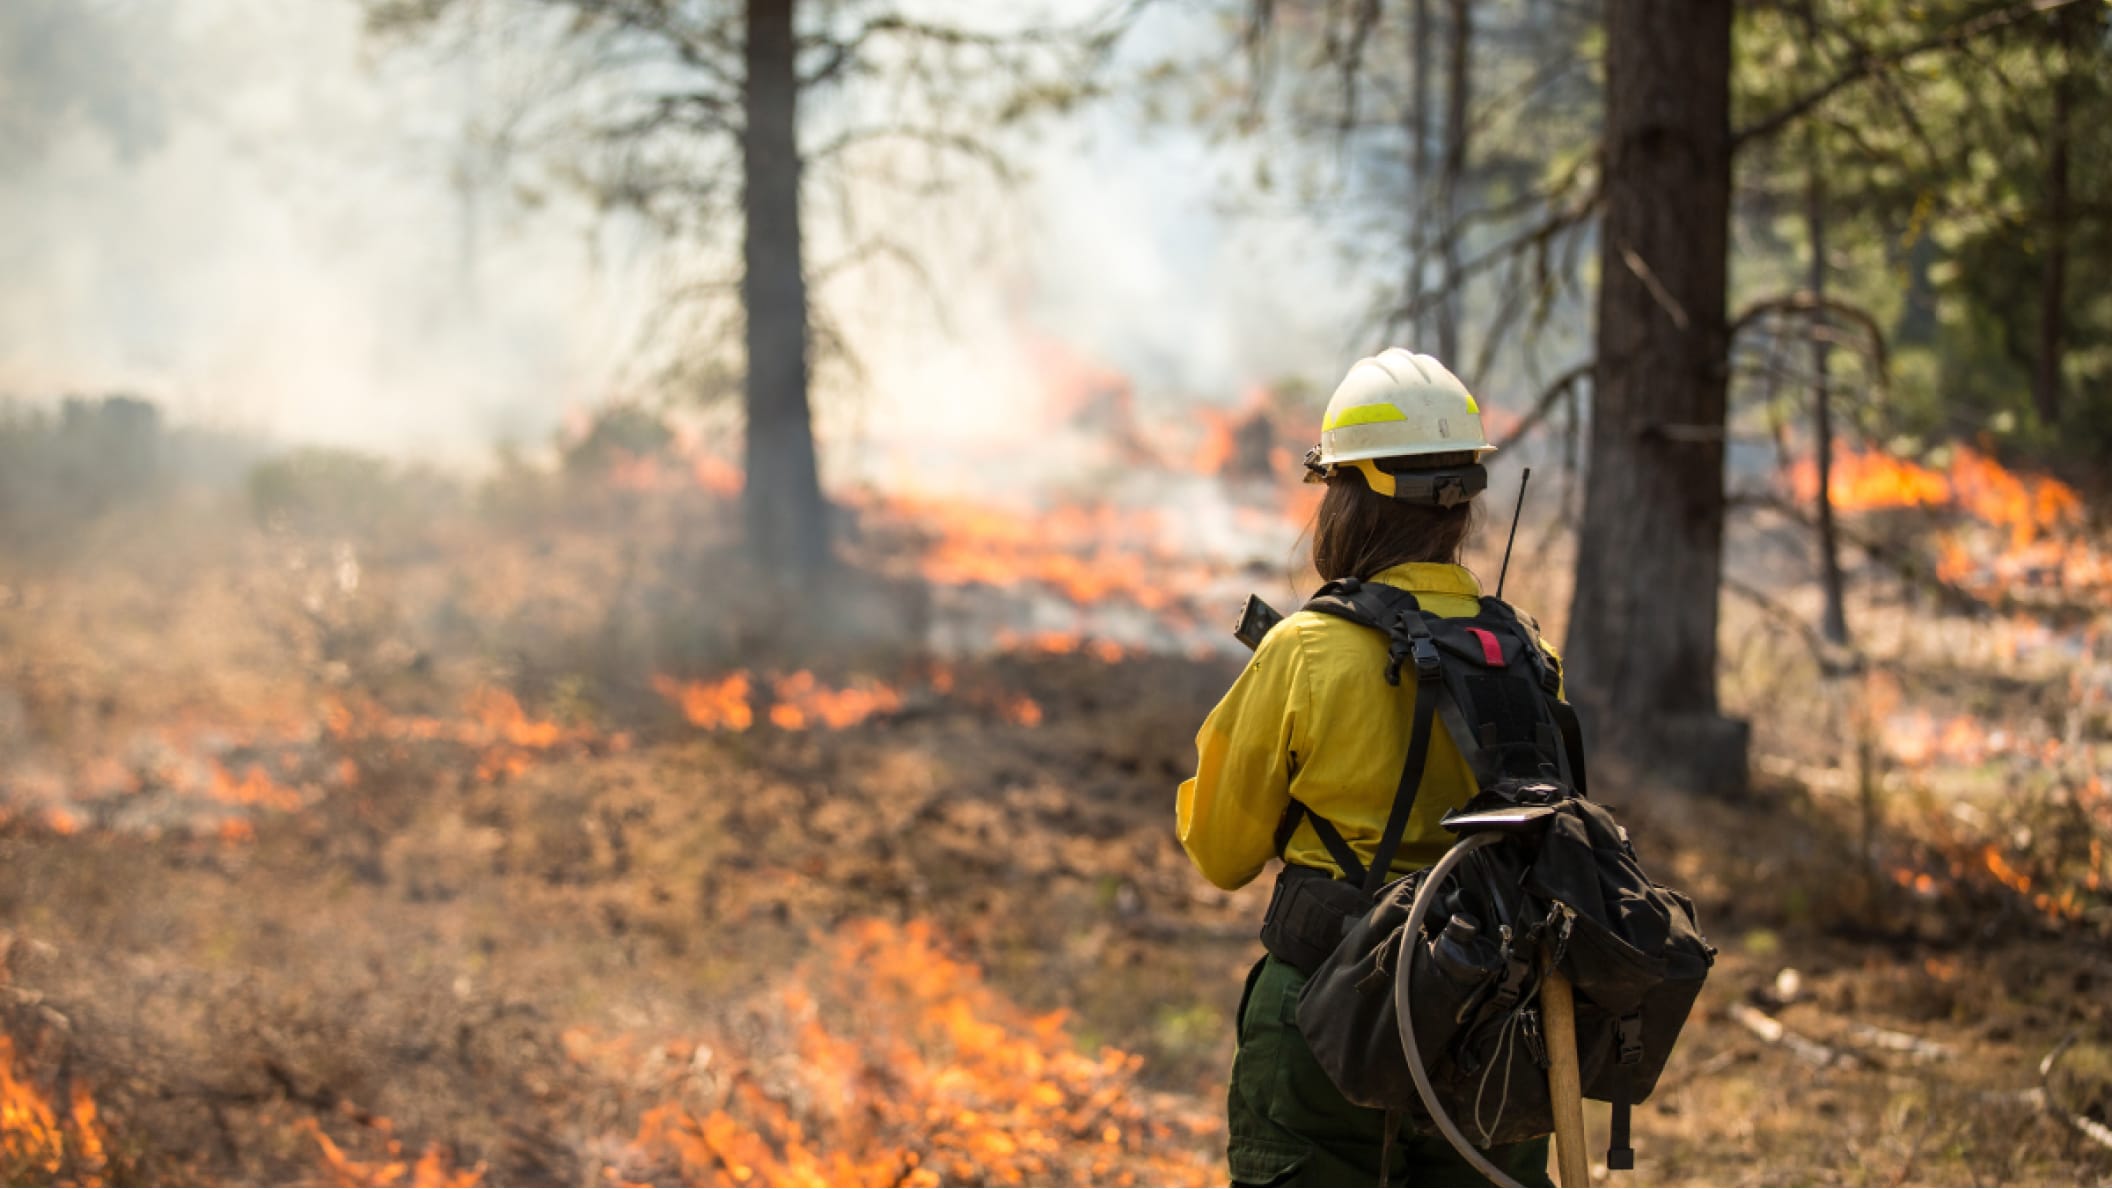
333, 866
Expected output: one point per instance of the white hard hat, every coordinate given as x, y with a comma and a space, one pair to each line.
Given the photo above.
1398, 404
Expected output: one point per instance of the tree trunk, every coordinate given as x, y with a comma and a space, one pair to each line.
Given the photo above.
1642, 634
785, 521
1458, 92
1417, 128
1834, 620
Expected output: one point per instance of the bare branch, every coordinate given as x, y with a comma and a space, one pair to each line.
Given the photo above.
1811, 305
1537, 238
954, 143
1563, 387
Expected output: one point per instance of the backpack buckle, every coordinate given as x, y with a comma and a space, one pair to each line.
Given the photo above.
1628, 1036
1427, 665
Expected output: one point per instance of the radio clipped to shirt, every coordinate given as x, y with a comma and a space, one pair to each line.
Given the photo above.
1255, 620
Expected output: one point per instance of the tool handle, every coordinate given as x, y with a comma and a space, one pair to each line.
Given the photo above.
1558, 1011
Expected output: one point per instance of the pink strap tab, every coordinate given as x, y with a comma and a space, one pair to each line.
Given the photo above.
1491, 651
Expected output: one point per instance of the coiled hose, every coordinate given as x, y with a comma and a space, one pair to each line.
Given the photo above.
1411, 934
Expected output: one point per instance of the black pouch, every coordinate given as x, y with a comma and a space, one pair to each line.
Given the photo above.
1567, 880
1472, 1018
1308, 914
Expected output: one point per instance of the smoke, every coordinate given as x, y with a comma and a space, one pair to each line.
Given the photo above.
245, 211
235, 208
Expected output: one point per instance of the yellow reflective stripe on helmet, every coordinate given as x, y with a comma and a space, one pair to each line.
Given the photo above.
1472, 407
1363, 415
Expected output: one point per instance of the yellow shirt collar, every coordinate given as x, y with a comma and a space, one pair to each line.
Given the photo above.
1431, 578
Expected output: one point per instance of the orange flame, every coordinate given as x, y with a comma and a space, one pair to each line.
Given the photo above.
41, 1140
2030, 513
431, 1169
1089, 554
1867, 479
934, 1079
256, 789
1217, 446
1061, 643
712, 705
803, 701
507, 741
799, 701
716, 475
1020, 710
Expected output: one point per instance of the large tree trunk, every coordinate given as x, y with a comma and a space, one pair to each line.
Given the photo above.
782, 511
1458, 93
1642, 633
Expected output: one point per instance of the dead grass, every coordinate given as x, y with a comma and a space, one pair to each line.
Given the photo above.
446, 973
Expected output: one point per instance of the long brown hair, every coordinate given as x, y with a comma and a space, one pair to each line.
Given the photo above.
1360, 532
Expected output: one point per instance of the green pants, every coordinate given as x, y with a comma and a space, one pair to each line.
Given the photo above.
1290, 1126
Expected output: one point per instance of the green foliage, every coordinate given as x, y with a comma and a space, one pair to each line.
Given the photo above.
1935, 162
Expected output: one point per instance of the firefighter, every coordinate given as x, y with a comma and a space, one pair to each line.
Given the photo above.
1306, 749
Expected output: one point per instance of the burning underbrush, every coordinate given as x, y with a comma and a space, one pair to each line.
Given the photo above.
882, 1060
889, 1062
530, 841
2012, 536
1964, 735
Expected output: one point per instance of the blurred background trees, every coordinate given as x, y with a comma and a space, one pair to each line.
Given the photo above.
731, 125
1891, 205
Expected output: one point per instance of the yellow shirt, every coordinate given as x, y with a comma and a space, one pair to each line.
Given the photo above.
1313, 718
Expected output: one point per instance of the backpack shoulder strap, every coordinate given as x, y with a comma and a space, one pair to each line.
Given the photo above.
1396, 613
1383, 608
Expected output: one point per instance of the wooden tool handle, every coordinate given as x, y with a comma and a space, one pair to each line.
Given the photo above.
1558, 1011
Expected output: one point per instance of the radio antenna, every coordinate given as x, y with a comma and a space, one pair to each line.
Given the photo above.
1516, 512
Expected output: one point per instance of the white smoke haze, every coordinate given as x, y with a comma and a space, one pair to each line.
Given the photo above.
248, 212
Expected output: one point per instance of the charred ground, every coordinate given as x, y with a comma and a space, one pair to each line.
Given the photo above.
352, 837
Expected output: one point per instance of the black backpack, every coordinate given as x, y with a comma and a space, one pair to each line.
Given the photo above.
1558, 872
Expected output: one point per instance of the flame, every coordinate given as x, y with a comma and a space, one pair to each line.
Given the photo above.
713, 705
1055, 643
716, 475
685, 462
1020, 710
1087, 553
433, 1168
1867, 479
42, 1140
802, 701
1217, 447
799, 701
507, 742
256, 789
934, 1079
2032, 522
